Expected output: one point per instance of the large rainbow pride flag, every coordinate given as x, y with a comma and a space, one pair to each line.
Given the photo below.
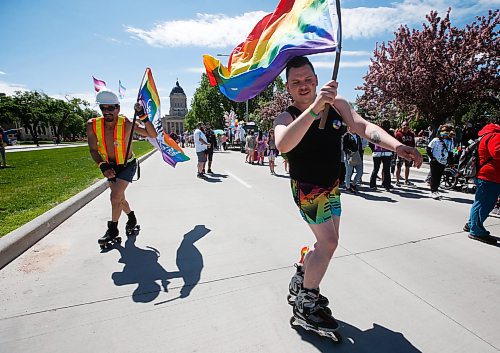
148, 95
295, 28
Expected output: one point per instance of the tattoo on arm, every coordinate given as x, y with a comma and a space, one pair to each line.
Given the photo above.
375, 137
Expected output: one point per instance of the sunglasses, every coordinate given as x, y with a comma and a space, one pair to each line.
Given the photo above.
108, 108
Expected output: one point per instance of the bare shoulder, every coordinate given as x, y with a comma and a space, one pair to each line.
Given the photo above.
283, 119
341, 103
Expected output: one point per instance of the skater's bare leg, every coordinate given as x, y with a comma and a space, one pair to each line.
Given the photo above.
317, 260
118, 199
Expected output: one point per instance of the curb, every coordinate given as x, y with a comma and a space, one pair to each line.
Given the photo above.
21, 239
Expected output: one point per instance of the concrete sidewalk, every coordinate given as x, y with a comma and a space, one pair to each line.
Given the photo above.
209, 272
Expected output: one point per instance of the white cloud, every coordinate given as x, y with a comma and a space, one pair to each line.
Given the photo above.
3, 73
196, 70
369, 22
206, 30
343, 64
10, 88
344, 53
221, 31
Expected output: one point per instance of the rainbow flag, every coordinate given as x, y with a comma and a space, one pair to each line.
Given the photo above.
295, 28
148, 95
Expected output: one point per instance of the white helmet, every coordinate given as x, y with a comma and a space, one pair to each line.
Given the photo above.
106, 97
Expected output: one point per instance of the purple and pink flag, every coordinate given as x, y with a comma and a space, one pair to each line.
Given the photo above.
99, 85
295, 28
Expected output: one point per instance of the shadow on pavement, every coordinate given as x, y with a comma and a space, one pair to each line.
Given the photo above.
377, 339
372, 195
142, 267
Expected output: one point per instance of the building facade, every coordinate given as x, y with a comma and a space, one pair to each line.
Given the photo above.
174, 121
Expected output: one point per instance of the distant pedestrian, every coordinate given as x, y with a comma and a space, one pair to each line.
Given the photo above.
212, 145
382, 156
407, 137
488, 184
200, 145
250, 144
4, 140
261, 147
272, 152
353, 159
439, 150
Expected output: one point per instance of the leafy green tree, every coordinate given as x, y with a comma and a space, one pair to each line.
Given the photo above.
30, 108
60, 112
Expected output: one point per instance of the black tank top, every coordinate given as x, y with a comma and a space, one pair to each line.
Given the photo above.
316, 159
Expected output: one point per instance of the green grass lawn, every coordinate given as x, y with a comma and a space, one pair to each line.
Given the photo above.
43, 179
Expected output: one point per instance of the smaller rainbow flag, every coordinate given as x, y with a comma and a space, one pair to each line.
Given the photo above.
148, 95
295, 28
99, 85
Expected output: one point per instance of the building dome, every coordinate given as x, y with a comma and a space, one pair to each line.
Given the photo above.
177, 89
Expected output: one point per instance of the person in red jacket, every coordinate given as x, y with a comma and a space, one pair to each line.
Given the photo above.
488, 184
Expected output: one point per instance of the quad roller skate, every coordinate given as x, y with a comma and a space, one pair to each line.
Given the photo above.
296, 284
311, 317
111, 236
132, 228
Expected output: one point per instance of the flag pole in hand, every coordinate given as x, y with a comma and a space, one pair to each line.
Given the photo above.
324, 114
133, 123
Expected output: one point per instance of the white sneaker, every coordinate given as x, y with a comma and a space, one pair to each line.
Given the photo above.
435, 195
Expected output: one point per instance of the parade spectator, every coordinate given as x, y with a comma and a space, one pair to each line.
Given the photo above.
382, 156
250, 144
201, 145
407, 137
439, 151
4, 141
487, 182
261, 147
212, 145
272, 151
353, 160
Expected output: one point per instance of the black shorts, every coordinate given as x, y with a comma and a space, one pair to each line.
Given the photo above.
210, 154
405, 161
125, 173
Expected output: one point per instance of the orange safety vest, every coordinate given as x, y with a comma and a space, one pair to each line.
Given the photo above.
119, 139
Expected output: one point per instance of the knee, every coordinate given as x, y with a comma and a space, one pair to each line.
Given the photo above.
328, 247
116, 198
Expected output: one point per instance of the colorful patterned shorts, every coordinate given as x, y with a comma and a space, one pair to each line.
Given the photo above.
316, 204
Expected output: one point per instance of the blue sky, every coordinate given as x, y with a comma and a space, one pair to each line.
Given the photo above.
57, 45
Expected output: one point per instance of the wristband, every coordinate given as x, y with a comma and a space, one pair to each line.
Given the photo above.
313, 114
103, 166
144, 118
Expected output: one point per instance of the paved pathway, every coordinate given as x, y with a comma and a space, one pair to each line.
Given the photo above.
210, 269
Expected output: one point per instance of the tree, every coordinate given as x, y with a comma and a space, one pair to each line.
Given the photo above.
59, 113
208, 104
30, 108
266, 114
432, 74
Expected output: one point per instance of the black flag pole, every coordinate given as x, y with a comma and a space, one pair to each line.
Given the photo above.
133, 122
325, 112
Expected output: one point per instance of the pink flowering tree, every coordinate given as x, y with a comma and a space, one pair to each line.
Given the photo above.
435, 73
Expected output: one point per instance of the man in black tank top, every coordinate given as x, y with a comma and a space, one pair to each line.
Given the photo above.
314, 157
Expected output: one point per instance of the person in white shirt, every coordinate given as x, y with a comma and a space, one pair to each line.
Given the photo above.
438, 151
200, 145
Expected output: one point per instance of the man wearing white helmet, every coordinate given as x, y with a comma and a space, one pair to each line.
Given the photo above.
108, 137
